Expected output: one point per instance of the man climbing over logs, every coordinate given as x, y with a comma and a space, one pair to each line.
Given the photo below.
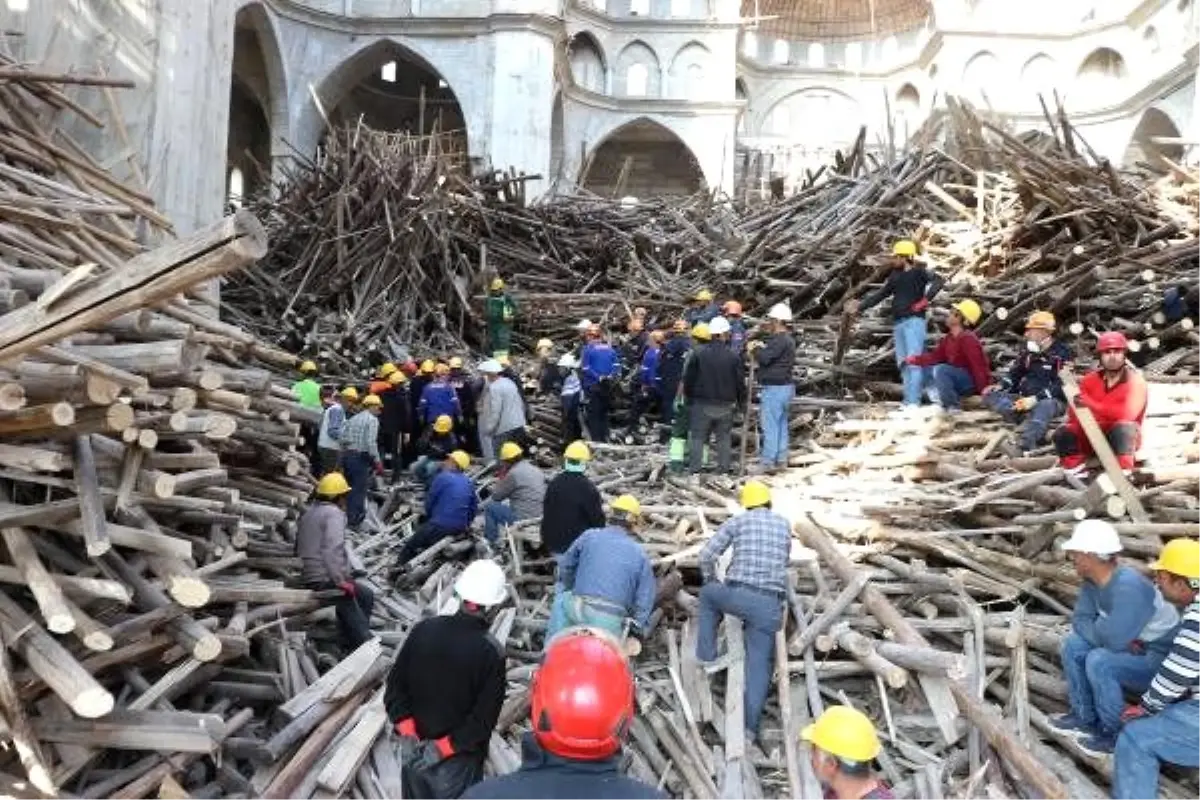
670, 367
1033, 386
774, 358
1165, 726
450, 506
714, 388
572, 503
517, 494
445, 691
321, 548
1116, 394
332, 420
502, 414
581, 708
360, 456
957, 367
605, 579
500, 310
911, 286
395, 425
1121, 630
307, 392
435, 446
599, 370
754, 591
702, 309
844, 743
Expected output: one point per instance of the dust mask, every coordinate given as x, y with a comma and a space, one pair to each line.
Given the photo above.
1032, 346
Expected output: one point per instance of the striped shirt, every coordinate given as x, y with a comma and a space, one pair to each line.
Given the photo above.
762, 543
361, 433
1179, 674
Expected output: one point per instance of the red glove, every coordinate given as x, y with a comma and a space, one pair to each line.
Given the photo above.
348, 588
1133, 712
920, 305
378, 467
911, 359
1137, 646
444, 747
406, 727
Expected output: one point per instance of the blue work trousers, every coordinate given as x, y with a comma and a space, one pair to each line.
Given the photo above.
495, 515
1037, 419
946, 385
1171, 735
359, 467
1097, 679
909, 337
773, 404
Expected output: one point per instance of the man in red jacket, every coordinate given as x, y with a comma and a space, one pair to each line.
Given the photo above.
957, 367
1116, 396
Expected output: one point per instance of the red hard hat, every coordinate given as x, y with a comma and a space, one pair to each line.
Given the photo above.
582, 697
409, 368
1113, 340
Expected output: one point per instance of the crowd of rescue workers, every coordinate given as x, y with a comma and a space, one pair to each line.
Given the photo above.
427, 422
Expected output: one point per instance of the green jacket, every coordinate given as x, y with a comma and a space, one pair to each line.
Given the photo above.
307, 392
499, 309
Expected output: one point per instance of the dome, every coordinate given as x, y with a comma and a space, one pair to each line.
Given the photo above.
831, 20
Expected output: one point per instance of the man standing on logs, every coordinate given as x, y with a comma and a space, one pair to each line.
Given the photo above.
572, 503
465, 391
670, 367
446, 689
360, 456
521, 484
732, 311
502, 417
957, 367
911, 286
647, 385
450, 506
599, 370
499, 310
549, 379
1165, 726
775, 358
321, 547
754, 591
438, 399
308, 394
395, 426
1032, 385
332, 420
581, 707
713, 388
844, 743
1121, 630
703, 309
1116, 394
570, 396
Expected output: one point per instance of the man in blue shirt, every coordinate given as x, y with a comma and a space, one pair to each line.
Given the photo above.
439, 399
450, 506
599, 369
648, 388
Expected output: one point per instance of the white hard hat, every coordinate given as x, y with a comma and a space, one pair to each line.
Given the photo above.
718, 326
491, 367
567, 360
482, 583
583, 325
781, 312
1094, 536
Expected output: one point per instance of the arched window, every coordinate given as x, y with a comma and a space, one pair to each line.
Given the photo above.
637, 79
890, 50
780, 54
816, 55
237, 187
695, 82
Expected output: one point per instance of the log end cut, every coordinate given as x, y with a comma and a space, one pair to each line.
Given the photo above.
93, 703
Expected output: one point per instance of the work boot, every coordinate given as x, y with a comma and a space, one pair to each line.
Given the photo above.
1099, 745
1071, 725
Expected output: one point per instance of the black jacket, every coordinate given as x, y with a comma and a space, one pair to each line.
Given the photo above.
714, 375
1036, 374
775, 360
571, 505
449, 677
397, 411
544, 775
906, 286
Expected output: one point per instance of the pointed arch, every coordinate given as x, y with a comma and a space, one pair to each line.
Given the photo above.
981, 78
1142, 147
258, 108
642, 158
640, 60
589, 66
689, 69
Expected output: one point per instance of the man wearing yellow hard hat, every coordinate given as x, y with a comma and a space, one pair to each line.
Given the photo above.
450, 506
435, 446
307, 392
499, 310
321, 547
517, 493
360, 456
702, 308
957, 367
330, 433
844, 744
911, 286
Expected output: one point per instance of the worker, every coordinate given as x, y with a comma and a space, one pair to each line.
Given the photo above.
395, 425
446, 688
634, 342
466, 389
702, 309
1165, 725
507, 370
571, 503
911, 286
499, 310
307, 390
957, 367
647, 391
450, 506
754, 590
604, 578
321, 548
360, 456
517, 493
670, 367
713, 388
410, 368
1116, 394
332, 420
435, 446
570, 397
732, 311
599, 370
380, 383
1121, 630
502, 414
549, 376
438, 399
1032, 386
774, 358
844, 744
582, 329
677, 445
581, 706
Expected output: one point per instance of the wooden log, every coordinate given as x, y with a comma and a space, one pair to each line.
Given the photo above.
92, 521
288, 779
38, 419
29, 749
166, 731
33, 459
46, 592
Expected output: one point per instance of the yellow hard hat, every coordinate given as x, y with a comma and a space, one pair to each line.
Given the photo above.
308, 367
456, 362
1043, 320
544, 344
461, 459
443, 424
1180, 557
627, 504
427, 366
497, 284
386, 369
906, 248
969, 310
704, 295
755, 494
350, 393
441, 369
371, 401
398, 377
844, 732
577, 451
700, 331
333, 485
510, 450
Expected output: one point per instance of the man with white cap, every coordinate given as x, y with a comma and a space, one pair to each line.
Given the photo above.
1121, 630
502, 414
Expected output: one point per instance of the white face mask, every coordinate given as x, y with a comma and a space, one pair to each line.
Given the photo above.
1032, 346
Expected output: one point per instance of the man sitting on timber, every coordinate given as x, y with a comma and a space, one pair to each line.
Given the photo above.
360, 456
844, 744
446, 689
1116, 395
450, 505
572, 503
957, 367
321, 547
521, 484
1032, 385
1165, 726
1121, 630
754, 591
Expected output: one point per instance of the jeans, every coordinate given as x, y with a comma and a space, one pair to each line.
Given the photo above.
1037, 422
597, 411
773, 402
425, 536
1073, 447
706, 418
495, 515
572, 428
1171, 735
909, 337
761, 616
424, 470
946, 385
570, 611
359, 467
1097, 679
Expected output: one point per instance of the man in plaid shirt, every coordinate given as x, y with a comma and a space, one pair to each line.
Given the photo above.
360, 456
754, 590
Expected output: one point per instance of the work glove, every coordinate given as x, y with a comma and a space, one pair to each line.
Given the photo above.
444, 747
911, 360
1133, 712
755, 344
406, 727
920, 305
1024, 403
1137, 647
348, 588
